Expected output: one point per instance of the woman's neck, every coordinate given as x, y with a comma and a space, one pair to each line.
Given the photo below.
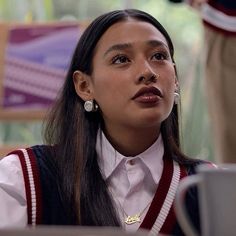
131, 142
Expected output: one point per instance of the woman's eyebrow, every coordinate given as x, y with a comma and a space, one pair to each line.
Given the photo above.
116, 47
123, 46
157, 43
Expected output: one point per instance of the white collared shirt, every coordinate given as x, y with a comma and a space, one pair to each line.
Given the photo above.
131, 180
13, 206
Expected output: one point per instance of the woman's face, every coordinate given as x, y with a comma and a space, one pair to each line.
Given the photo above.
127, 51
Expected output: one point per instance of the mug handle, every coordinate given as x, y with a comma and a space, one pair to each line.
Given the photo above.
180, 207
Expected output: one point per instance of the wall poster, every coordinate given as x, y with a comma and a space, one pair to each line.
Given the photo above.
33, 63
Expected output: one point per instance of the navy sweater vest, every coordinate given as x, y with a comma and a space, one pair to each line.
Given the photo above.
52, 209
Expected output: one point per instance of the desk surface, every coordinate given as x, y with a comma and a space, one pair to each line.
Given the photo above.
68, 230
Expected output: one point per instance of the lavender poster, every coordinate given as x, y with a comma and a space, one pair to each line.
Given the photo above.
35, 64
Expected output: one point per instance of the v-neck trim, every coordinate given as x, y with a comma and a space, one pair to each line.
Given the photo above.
161, 194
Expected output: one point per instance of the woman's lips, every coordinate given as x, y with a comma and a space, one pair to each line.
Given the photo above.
148, 95
148, 98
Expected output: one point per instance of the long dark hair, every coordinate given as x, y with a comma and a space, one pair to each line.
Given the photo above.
74, 131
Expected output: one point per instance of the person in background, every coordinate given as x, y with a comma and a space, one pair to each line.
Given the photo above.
219, 19
112, 155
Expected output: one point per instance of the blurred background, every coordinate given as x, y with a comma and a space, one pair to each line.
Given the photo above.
182, 23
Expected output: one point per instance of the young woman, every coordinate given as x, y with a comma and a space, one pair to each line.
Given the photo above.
113, 156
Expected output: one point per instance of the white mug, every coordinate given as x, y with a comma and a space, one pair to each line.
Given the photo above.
217, 201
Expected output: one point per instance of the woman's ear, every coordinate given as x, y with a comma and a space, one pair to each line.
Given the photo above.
176, 84
83, 85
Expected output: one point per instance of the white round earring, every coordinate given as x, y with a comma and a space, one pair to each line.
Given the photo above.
176, 98
90, 106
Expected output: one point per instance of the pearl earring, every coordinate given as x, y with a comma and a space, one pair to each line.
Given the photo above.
90, 106
176, 98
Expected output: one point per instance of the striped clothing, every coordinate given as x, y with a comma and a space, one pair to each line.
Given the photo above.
220, 15
45, 200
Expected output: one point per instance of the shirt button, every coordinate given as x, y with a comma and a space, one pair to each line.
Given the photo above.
131, 162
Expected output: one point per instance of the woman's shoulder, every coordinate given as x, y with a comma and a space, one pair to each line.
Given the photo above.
9, 166
33, 150
193, 165
31, 153
29, 159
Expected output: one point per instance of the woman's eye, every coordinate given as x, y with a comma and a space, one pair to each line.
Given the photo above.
160, 56
120, 59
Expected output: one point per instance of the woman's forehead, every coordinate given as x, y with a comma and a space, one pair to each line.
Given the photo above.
128, 32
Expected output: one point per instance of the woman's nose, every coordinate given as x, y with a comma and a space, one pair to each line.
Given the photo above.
146, 75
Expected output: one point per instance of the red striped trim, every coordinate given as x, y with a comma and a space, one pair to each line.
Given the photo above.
220, 30
171, 220
160, 195
20, 154
37, 185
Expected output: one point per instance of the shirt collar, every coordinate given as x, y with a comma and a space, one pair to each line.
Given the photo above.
109, 159
153, 158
